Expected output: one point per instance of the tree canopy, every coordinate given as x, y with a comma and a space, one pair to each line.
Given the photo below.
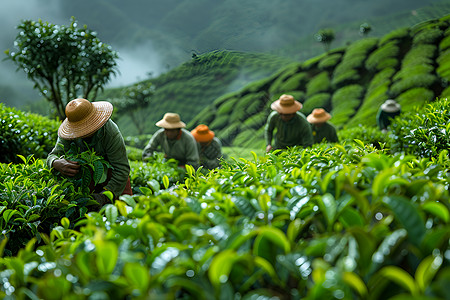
63, 62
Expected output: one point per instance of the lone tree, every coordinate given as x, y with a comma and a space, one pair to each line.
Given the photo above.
133, 101
325, 36
64, 62
364, 29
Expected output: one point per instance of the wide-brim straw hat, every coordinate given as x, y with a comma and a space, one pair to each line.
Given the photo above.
202, 133
390, 106
286, 104
171, 121
318, 115
84, 118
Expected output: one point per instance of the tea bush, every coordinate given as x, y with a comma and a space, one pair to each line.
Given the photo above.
25, 134
328, 222
425, 131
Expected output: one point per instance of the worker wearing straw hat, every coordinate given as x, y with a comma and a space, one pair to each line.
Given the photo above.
174, 140
322, 130
291, 125
387, 111
89, 126
209, 147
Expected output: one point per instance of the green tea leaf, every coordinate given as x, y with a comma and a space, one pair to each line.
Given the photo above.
221, 266
408, 216
106, 256
426, 271
137, 275
111, 213
399, 276
437, 209
166, 181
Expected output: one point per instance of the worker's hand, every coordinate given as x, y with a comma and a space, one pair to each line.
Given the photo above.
66, 167
101, 198
268, 148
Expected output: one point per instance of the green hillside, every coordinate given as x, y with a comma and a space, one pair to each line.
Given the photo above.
409, 64
189, 88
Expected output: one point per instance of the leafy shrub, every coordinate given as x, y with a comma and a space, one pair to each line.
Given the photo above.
345, 78
362, 46
415, 97
219, 122
316, 101
366, 114
295, 82
413, 81
380, 79
319, 84
415, 70
150, 174
367, 134
227, 106
33, 200
419, 54
282, 76
445, 43
398, 34
330, 61
25, 134
257, 120
382, 57
424, 131
428, 36
317, 221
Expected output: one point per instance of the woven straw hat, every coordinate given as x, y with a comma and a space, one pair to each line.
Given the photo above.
286, 104
318, 115
202, 133
390, 106
171, 121
84, 118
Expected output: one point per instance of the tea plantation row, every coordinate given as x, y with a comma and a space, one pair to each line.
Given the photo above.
365, 219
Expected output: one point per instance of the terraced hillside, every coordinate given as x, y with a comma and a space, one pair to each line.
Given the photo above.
411, 65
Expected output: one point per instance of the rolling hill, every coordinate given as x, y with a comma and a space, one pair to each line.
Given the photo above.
410, 64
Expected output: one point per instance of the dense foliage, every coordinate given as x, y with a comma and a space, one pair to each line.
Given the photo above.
25, 134
330, 222
63, 62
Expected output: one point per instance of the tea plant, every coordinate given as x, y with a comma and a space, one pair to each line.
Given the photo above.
93, 168
328, 222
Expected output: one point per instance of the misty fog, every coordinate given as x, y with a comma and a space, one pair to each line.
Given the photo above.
154, 36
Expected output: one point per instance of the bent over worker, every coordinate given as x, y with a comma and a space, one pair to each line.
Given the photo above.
89, 126
291, 125
175, 141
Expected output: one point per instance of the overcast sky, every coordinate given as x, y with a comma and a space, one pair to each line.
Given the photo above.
134, 64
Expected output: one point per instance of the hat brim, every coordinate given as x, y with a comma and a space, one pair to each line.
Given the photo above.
314, 120
390, 108
166, 125
203, 137
286, 109
102, 111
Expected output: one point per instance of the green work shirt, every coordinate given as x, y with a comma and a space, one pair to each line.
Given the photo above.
184, 149
326, 132
384, 118
210, 154
108, 143
295, 132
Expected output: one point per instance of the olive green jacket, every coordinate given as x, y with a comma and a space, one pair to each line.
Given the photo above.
108, 143
183, 149
295, 132
326, 132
